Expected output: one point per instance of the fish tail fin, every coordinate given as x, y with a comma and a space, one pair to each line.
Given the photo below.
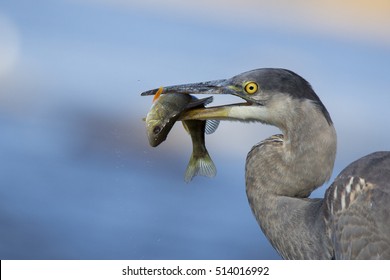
200, 165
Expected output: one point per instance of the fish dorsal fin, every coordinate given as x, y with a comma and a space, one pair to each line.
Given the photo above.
211, 126
198, 102
207, 100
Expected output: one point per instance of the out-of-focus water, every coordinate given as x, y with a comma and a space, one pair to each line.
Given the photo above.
77, 177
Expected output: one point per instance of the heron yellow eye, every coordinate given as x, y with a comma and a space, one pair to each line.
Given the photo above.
251, 87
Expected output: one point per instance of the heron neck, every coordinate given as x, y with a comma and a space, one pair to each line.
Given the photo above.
281, 172
305, 156
295, 227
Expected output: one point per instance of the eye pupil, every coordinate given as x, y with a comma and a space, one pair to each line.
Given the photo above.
156, 130
251, 87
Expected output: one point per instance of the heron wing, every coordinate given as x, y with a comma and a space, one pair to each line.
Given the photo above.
358, 209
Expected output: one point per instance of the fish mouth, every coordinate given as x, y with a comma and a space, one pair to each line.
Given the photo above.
222, 112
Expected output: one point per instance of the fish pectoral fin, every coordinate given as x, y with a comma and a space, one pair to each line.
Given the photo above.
203, 166
211, 126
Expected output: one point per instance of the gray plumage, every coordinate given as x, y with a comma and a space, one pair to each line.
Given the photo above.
356, 209
353, 219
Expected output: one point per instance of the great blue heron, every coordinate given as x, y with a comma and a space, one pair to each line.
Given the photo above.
352, 221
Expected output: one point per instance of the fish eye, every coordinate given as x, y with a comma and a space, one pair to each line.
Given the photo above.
157, 129
251, 87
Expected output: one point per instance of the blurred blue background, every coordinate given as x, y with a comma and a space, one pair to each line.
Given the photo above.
78, 179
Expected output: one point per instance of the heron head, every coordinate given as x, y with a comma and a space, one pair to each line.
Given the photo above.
271, 95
